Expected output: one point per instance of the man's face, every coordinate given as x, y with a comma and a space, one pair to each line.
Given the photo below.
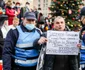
15, 23
28, 21
18, 5
27, 5
6, 22
59, 24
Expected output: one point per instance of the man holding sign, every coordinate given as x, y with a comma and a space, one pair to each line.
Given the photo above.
57, 61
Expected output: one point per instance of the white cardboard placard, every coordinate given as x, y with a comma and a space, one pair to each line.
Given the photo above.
62, 42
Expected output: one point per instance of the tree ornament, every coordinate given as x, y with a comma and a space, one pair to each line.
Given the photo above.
54, 0
71, 25
79, 25
68, 22
62, 13
66, 2
63, 2
73, 4
75, 25
66, 7
69, 11
61, 5
52, 7
73, 18
77, 2
58, 2
46, 28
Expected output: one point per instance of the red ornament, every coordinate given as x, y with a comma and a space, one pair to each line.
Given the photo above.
73, 18
79, 10
54, 0
58, 2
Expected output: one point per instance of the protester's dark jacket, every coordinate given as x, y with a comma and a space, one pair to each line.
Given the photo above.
83, 28
82, 41
60, 62
8, 50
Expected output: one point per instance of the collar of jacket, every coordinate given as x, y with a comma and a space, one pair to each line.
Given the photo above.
25, 30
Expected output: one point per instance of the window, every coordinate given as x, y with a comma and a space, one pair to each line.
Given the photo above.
44, 1
38, 0
38, 5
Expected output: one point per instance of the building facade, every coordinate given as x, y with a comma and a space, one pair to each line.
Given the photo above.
43, 4
23, 2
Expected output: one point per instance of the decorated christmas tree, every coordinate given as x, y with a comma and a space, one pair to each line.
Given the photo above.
69, 9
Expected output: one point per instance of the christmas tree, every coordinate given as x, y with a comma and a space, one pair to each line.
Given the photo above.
69, 9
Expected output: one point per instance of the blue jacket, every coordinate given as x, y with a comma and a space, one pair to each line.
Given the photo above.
9, 47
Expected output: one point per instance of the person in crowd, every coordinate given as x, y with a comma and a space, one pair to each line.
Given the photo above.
13, 4
17, 8
15, 23
1, 11
36, 12
2, 19
82, 39
10, 12
5, 27
48, 25
24, 9
2, 4
22, 45
41, 21
1, 44
60, 62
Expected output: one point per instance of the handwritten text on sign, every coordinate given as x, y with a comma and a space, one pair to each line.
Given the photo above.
62, 42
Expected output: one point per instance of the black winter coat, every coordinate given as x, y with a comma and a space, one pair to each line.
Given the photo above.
1, 43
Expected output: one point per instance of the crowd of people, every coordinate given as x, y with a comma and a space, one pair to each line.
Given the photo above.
23, 33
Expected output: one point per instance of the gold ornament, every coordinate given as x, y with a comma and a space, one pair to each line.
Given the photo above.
68, 22
46, 28
73, 4
52, 6
62, 13
61, 5
71, 25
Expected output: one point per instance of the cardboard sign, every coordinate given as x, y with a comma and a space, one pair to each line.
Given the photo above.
62, 42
